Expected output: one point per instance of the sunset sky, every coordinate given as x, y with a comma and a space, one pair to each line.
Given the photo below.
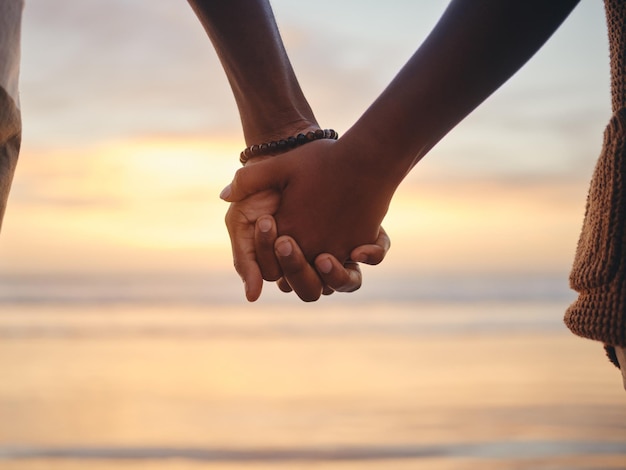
130, 132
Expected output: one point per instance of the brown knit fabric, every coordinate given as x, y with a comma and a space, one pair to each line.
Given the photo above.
599, 271
616, 22
10, 138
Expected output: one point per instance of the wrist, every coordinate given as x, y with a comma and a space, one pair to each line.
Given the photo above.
285, 144
272, 112
277, 128
376, 158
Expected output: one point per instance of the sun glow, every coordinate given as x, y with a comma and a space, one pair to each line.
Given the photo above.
120, 203
479, 226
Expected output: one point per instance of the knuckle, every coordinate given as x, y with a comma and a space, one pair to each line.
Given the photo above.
238, 265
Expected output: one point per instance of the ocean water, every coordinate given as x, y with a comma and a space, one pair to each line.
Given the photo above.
178, 372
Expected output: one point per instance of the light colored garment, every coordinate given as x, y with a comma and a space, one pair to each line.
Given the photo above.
10, 24
10, 122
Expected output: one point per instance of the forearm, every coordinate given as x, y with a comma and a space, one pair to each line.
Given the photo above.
248, 43
476, 46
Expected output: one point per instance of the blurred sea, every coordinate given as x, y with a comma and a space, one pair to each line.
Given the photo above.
179, 372
211, 289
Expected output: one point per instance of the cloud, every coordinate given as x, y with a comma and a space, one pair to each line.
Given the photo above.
100, 69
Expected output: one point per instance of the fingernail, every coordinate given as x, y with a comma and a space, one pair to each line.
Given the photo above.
265, 225
284, 248
325, 266
225, 192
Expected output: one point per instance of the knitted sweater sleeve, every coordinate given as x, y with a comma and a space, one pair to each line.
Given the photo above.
599, 271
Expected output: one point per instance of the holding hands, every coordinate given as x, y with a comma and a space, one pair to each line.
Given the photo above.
322, 204
326, 214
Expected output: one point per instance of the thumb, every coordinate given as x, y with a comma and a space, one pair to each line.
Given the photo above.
253, 179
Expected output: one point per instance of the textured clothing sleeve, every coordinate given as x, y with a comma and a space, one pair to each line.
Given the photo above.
599, 271
10, 122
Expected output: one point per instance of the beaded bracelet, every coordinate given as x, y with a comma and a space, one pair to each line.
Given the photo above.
279, 146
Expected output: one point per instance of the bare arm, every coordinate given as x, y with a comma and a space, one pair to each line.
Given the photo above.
245, 36
476, 46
